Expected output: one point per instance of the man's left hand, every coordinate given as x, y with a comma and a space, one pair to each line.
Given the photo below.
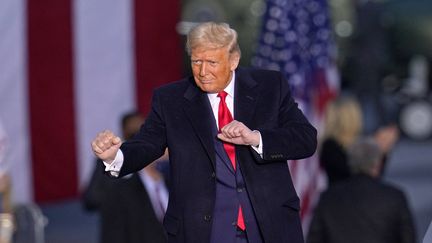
238, 133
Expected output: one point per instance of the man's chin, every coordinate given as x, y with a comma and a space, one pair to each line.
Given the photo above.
208, 88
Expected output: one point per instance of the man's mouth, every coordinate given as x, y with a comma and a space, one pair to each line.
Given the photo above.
205, 81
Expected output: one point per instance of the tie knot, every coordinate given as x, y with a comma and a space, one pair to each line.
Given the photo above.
222, 95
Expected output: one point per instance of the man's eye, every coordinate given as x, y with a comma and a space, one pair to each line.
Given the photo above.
212, 63
196, 62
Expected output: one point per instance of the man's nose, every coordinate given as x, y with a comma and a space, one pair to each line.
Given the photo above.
203, 69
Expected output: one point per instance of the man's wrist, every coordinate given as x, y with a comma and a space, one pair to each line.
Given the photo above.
258, 148
116, 164
256, 138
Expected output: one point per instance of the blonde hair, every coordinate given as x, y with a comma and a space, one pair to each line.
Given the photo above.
343, 120
212, 35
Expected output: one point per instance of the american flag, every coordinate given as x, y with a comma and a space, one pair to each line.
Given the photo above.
296, 39
69, 69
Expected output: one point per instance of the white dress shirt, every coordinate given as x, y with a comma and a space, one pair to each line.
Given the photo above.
157, 192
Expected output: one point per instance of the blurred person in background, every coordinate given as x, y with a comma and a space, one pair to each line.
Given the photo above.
131, 209
343, 124
363, 208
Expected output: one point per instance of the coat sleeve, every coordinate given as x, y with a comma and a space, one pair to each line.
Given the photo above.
293, 137
148, 144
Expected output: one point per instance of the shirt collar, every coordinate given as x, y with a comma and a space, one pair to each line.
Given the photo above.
230, 88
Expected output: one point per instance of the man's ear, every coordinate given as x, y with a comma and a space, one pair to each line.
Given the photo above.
234, 60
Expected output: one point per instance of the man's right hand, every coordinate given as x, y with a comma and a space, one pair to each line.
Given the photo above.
106, 145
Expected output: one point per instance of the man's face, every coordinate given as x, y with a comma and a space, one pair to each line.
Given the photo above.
212, 67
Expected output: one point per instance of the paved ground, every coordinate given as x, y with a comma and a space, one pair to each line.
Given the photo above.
69, 223
410, 167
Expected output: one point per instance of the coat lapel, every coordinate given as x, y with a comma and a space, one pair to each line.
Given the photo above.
245, 97
197, 109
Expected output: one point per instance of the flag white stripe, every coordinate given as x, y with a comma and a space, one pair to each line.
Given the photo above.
13, 96
104, 71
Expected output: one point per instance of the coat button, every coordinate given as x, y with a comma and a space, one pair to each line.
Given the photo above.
207, 217
240, 189
213, 175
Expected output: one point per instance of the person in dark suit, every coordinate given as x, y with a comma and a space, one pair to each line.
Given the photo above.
229, 132
130, 210
362, 208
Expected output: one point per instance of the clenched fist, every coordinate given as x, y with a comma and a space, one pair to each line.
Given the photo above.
238, 133
106, 145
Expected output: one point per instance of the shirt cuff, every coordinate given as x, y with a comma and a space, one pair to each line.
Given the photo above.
115, 166
259, 148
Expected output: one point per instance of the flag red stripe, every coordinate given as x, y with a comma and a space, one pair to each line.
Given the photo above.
51, 99
157, 47
323, 92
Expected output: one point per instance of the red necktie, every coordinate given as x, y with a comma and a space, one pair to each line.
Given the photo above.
225, 117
